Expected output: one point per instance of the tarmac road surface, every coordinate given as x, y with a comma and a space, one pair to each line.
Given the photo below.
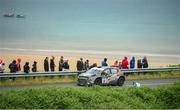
149, 83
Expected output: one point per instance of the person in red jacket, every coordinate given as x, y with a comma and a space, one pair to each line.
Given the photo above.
19, 64
125, 63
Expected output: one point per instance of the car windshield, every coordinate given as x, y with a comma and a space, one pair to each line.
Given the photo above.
93, 71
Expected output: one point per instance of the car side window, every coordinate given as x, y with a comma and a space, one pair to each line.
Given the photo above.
114, 71
106, 72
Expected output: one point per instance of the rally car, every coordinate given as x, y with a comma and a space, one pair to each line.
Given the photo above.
102, 76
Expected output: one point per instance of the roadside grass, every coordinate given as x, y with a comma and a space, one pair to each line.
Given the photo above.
178, 65
71, 79
37, 80
95, 97
154, 75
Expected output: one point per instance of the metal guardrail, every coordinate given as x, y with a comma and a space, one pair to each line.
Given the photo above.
149, 70
37, 74
69, 73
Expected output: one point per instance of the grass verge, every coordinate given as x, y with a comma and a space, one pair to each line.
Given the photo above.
95, 97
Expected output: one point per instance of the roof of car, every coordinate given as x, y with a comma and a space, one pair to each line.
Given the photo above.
102, 68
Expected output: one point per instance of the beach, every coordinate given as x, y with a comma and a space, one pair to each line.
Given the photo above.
73, 57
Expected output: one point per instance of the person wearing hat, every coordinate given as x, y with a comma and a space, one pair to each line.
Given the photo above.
34, 67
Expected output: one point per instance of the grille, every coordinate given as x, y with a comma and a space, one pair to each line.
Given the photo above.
82, 81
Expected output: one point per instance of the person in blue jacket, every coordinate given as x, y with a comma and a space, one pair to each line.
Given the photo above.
132, 63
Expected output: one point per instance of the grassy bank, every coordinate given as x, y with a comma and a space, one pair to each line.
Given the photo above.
95, 97
70, 79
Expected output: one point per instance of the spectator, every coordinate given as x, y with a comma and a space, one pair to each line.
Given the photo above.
116, 64
104, 62
18, 64
1, 61
2, 67
66, 65
93, 65
26, 67
145, 63
120, 66
34, 67
61, 62
139, 63
86, 64
13, 67
80, 64
52, 64
132, 63
46, 65
125, 63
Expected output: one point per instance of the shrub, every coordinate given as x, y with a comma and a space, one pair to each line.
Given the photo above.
95, 97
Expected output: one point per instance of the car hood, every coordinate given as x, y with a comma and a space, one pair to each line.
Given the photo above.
86, 74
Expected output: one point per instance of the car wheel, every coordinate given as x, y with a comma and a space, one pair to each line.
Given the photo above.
120, 81
97, 81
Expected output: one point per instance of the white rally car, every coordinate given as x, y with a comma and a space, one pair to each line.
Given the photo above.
101, 76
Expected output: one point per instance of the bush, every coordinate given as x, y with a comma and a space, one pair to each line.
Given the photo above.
95, 97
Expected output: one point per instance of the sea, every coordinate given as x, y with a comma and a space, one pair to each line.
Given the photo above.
114, 27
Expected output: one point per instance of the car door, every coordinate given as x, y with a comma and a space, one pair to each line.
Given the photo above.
114, 73
105, 76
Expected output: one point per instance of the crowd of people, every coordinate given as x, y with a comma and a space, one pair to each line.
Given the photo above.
81, 65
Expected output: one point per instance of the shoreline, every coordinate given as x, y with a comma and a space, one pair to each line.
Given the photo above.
73, 57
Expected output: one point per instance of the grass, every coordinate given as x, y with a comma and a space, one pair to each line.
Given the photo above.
154, 75
95, 97
37, 80
178, 65
70, 79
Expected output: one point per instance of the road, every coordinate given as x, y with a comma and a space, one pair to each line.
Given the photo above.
150, 83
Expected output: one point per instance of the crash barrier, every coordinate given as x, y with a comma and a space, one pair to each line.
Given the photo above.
149, 70
70, 73
39, 74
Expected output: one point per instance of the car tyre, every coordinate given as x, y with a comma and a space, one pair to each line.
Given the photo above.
98, 81
120, 81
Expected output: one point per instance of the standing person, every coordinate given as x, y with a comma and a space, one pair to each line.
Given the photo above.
139, 63
86, 64
2, 67
46, 64
132, 63
34, 67
104, 62
52, 64
61, 62
13, 67
19, 64
66, 65
116, 64
145, 62
80, 64
26, 67
1, 61
125, 63
120, 66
